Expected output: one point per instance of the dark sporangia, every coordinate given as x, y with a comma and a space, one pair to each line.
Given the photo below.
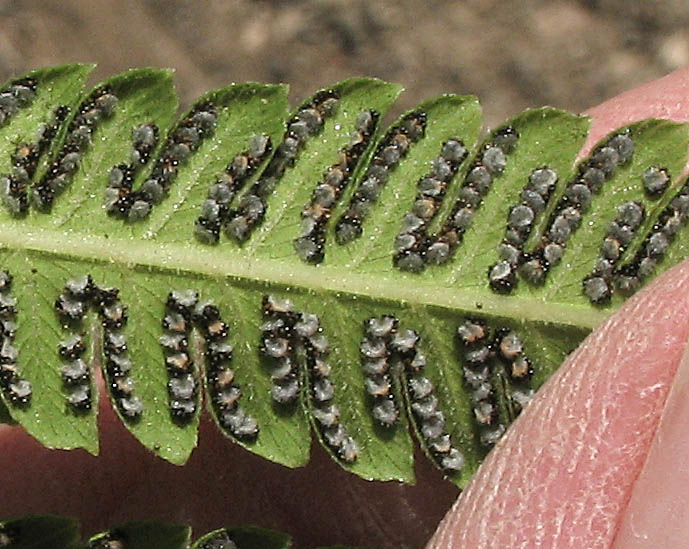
112, 540
71, 307
520, 221
17, 390
388, 352
215, 211
656, 180
481, 353
375, 351
223, 389
14, 186
80, 295
284, 331
598, 285
315, 217
429, 419
510, 351
119, 200
184, 139
566, 217
16, 96
413, 249
113, 318
477, 351
628, 278
220, 540
100, 105
487, 166
308, 332
305, 124
183, 381
276, 345
392, 148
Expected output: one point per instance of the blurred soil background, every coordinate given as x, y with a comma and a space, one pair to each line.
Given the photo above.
512, 54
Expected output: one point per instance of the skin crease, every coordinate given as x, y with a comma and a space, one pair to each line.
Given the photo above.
586, 464
321, 504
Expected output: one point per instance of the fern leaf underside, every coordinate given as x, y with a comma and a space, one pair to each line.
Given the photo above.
309, 271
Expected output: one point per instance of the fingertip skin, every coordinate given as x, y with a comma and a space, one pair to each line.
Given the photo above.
565, 471
657, 514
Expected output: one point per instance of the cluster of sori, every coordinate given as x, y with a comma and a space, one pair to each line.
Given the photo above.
309, 244
224, 391
325, 411
113, 317
477, 353
598, 285
13, 187
386, 351
502, 276
100, 105
221, 540
413, 249
487, 166
566, 217
111, 540
15, 388
673, 218
283, 332
19, 94
277, 343
510, 350
376, 358
183, 383
305, 124
430, 421
392, 148
72, 306
119, 199
180, 144
215, 211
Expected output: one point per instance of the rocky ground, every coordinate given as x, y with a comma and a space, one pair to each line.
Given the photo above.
511, 53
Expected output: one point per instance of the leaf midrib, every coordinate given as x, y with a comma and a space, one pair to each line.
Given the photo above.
184, 258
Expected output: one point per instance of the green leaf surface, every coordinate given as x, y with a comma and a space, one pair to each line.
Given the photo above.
284, 431
244, 110
38, 281
448, 117
61, 85
147, 535
274, 239
547, 138
145, 96
40, 532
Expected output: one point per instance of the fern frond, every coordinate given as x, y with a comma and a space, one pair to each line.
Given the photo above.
310, 272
